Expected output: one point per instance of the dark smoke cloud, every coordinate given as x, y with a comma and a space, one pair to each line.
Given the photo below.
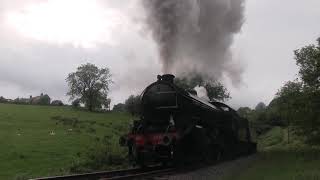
196, 35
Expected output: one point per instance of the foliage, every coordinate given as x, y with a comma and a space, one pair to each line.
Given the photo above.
120, 107
132, 105
57, 103
43, 100
308, 60
274, 115
260, 106
279, 160
90, 84
102, 155
215, 90
299, 101
244, 112
76, 103
3, 100
106, 103
38, 100
23, 101
261, 117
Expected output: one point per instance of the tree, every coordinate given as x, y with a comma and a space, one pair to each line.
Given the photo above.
44, 99
307, 102
289, 102
76, 103
106, 104
308, 60
215, 90
244, 112
57, 103
298, 100
132, 105
274, 114
90, 85
120, 107
260, 106
3, 100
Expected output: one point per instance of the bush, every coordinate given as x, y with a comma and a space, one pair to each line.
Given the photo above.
119, 107
132, 105
57, 103
3, 100
76, 103
101, 156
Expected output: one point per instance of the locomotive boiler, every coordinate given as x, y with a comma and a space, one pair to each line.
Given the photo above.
177, 126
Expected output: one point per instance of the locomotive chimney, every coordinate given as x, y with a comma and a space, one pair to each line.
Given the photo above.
167, 77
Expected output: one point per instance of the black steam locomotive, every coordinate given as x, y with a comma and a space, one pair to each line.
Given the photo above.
177, 126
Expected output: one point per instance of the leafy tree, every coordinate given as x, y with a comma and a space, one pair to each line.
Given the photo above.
244, 112
299, 101
273, 114
57, 103
107, 103
260, 106
288, 100
132, 105
44, 99
3, 100
215, 90
90, 85
76, 103
120, 107
308, 60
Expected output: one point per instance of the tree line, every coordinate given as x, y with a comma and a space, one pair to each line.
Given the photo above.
296, 105
89, 85
43, 99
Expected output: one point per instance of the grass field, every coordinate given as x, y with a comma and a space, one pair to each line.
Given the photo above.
44, 140
278, 160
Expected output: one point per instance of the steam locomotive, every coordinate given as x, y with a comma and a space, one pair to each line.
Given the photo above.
177, 126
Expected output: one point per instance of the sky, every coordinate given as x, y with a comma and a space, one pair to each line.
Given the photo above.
41, 41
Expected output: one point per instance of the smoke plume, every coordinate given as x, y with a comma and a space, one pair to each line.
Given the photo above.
196, 35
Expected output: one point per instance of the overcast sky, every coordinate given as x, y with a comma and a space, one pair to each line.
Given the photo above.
42, 41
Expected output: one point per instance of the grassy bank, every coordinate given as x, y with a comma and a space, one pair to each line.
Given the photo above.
278, 159
43, 140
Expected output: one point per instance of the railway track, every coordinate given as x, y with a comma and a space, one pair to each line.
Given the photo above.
114, 175
155, 172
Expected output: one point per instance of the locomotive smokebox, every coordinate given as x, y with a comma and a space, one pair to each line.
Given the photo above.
168, 78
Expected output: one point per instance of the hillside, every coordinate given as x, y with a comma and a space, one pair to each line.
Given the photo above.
45, 140
279, 160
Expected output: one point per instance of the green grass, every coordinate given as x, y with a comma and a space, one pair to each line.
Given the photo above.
43, 140
278, 159
272, 138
